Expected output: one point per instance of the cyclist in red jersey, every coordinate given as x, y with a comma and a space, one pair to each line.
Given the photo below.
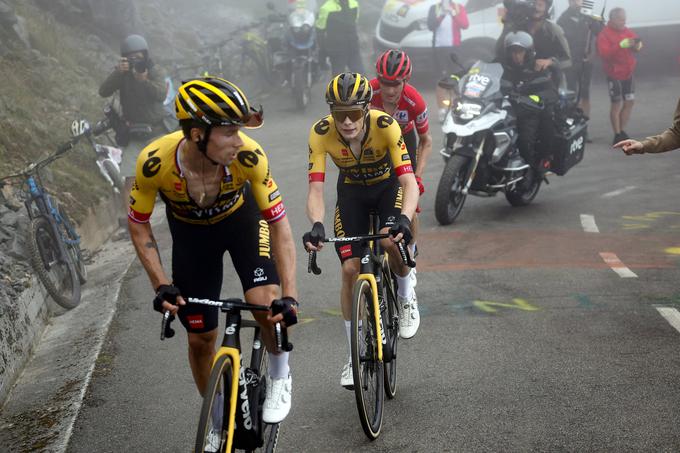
394, 95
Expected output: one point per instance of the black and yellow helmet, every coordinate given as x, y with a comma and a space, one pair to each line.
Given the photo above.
215, 102
348, 89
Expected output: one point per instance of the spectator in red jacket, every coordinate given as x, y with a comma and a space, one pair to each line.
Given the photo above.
445, 19
617, 46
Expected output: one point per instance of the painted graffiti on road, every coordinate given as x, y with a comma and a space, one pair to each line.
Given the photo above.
639, 222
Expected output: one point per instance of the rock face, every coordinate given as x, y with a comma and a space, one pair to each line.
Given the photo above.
13, 34
117, 18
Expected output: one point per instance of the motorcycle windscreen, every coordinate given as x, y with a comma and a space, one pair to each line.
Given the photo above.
482, 81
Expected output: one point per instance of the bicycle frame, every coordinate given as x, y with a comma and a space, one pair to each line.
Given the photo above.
369, 260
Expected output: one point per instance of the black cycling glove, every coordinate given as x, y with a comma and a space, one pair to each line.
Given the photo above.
402, 225
318, 234
165, 293
285, 305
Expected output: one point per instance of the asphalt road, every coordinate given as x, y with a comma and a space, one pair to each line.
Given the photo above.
529, 341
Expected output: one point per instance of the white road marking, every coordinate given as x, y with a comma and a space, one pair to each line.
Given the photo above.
618, 192
672, 315
588, 223
617, 265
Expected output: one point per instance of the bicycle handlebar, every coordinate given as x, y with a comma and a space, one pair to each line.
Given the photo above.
313, 268
229, 305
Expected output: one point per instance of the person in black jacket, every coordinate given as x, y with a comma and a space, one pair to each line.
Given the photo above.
580, 31
533, 95
336, 26
531, 16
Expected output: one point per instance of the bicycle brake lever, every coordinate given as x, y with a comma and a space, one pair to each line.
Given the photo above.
281, 334
312, 267
166, 330
405, 256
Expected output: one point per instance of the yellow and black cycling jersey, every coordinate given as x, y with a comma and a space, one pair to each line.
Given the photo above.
383, 151
159, 169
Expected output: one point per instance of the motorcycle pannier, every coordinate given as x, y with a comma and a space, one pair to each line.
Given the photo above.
569, 146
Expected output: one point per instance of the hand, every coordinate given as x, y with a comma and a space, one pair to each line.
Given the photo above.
543, 63
421, 187
123, 65
313, 240
630, 146
168, 298
286, 310
401, 230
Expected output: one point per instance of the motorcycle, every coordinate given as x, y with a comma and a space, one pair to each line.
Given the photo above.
480, 142
291, 44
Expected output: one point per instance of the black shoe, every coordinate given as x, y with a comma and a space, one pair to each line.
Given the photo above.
624, 135
617, 138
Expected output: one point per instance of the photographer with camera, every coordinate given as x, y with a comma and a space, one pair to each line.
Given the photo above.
531, 16
580, 29
617, 46
141, 89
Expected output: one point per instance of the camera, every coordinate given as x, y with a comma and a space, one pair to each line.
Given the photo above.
138, 65
519, 12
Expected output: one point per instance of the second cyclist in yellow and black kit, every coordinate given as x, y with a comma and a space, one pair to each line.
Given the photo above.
220, 196
375, 174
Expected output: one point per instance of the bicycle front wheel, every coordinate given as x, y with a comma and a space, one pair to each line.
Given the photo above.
56, 272
213, 425
390, 315
270, 432
367, 369
73, 246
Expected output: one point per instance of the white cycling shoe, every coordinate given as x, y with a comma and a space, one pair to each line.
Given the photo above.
278, 400
409, 317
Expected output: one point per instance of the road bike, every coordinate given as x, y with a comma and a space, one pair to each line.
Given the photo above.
231, 414
52, 242
374, 326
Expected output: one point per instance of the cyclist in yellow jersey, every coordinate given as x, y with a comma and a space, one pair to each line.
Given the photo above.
220, 195
375, 174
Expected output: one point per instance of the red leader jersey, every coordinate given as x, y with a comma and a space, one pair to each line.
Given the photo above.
411, 108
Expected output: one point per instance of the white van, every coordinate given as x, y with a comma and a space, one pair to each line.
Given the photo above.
403, 24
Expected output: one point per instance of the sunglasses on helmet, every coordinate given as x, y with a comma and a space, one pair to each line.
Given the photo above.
354, 114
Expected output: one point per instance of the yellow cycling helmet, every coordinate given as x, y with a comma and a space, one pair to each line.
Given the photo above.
215, 102
348, 89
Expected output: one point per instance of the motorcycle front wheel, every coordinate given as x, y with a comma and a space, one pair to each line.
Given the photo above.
450, 197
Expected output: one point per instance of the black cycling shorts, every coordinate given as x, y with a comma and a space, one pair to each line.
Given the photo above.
197, 254
411, 142
355, 202
621, 90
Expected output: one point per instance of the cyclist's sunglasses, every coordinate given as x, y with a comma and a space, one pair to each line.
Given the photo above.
390, 83
354, 114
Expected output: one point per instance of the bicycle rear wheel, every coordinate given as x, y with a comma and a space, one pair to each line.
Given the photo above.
390, 313
213, 424
56, 272
367, 369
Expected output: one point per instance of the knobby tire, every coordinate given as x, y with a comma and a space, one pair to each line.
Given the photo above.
43, 251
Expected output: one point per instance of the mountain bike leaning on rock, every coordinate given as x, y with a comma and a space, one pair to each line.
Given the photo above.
53, 243
235, 422
375, 326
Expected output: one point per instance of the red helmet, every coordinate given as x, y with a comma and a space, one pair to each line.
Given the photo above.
393, 65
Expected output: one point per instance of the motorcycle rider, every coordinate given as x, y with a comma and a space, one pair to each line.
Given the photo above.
533, 95
531, 16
